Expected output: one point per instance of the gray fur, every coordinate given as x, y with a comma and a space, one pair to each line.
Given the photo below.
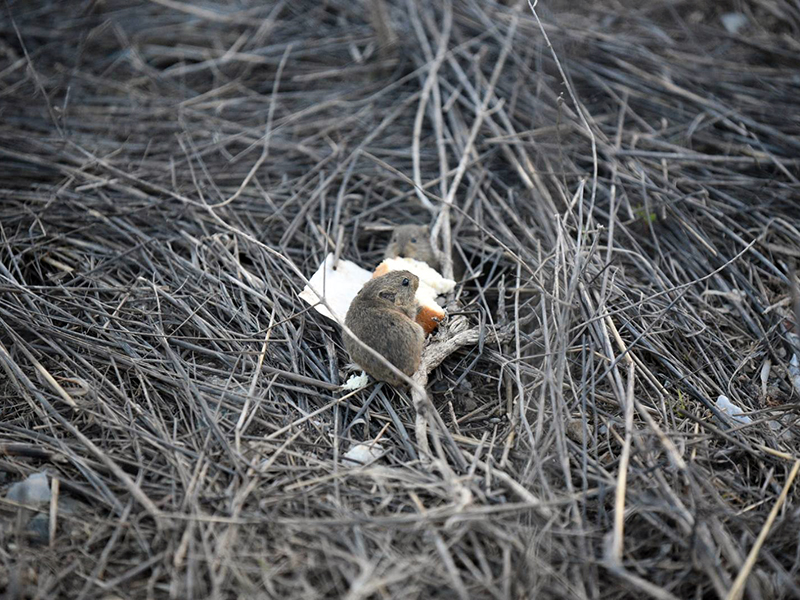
382, 316
412, 241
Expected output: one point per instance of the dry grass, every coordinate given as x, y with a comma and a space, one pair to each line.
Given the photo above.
628, 197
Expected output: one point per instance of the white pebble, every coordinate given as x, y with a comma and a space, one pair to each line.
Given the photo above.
31, 491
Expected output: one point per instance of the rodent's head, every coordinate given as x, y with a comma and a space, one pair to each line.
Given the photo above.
411, 240
397, 287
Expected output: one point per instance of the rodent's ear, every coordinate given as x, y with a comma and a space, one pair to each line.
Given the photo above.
388, 295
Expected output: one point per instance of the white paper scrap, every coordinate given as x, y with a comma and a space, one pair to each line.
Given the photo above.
733, 411
361, 454
339, 286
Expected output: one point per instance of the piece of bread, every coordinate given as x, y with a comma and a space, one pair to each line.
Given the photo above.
431, 285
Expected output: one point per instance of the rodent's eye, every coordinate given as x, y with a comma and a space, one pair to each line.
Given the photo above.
405, 282
413, 240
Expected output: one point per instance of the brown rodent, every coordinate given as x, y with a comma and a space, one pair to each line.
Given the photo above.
382, 316
412, 241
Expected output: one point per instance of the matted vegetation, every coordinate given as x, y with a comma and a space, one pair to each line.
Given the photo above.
626, 192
